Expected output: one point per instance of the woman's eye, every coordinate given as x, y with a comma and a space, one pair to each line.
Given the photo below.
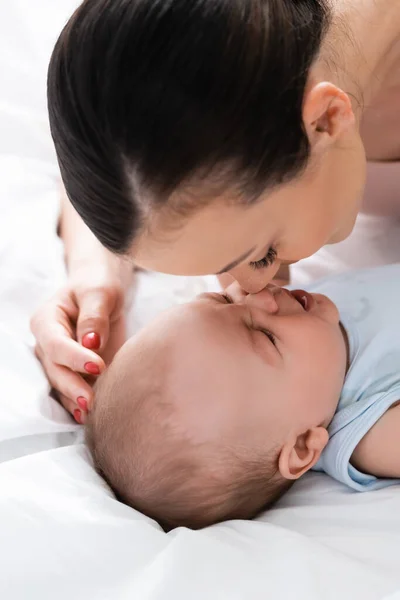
265, 262
269, 335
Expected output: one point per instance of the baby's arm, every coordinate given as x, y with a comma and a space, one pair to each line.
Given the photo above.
378, 453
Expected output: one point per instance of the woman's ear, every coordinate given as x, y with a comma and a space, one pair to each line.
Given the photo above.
301, 453
327, 113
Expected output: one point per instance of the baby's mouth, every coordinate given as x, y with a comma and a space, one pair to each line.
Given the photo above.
304, 299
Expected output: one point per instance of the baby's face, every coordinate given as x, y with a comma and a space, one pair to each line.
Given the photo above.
267, 364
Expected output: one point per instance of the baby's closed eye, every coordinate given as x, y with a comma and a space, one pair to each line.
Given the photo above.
269, 335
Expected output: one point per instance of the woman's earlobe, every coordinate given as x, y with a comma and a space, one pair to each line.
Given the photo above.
299, 454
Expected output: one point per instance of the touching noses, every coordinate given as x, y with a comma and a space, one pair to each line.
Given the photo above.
253, 281
264, 300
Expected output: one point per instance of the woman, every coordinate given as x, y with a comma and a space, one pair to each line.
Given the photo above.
208, 136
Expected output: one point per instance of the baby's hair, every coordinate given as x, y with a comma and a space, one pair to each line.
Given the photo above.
152, 465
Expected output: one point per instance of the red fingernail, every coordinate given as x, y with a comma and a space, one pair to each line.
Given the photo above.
92, 368
82, 402
78, 416
91, 341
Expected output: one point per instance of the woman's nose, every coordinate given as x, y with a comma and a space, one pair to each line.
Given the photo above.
264, 300
253, 280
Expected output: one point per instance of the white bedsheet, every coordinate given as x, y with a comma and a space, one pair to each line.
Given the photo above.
63, 535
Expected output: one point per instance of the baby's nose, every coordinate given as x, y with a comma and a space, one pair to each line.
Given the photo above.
265, 299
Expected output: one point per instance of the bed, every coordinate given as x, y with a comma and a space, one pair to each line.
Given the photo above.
63, 534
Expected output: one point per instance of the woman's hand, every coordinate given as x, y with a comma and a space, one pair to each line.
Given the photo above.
78, 332
80, 329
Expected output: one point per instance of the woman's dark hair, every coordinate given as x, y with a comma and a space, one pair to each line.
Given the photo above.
148, 95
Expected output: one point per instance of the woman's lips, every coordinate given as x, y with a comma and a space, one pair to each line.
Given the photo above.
304, 298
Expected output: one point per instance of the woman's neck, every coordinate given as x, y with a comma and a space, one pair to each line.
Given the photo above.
362, 47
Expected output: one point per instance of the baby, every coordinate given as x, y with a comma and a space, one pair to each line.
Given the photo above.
212, 411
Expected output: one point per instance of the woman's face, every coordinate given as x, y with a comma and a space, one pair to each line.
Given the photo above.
284, 226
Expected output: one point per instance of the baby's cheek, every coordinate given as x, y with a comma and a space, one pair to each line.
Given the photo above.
332, 365
320, 356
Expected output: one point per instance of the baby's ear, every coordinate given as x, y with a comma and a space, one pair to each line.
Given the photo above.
301, 453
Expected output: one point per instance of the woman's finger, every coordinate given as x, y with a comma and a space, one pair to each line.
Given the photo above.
58, 316
94, 318
67, 383
79, 414
66, 352
71, 386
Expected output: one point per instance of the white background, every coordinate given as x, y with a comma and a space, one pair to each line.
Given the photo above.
62, 533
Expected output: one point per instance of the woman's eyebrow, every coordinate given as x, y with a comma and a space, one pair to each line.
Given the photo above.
236, 262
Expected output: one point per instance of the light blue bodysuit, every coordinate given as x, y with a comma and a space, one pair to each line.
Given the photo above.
369, 305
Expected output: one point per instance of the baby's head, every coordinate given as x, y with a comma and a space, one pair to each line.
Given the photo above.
212, 411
